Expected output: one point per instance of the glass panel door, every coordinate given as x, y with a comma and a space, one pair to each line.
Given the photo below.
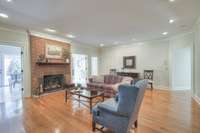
79, 69
11, 74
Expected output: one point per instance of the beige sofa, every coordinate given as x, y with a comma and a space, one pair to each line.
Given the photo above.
108, 83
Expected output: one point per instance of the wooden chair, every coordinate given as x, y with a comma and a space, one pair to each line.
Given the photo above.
148, 74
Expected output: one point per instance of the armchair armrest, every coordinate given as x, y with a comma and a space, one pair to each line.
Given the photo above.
110, 106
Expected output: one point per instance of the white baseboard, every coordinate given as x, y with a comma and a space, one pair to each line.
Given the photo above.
196, 98
181, 88
169, 88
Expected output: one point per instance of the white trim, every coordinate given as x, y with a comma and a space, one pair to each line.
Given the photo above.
161, 87
48, 36
198, 21
170, 89
13, 29
196, 98
181, 88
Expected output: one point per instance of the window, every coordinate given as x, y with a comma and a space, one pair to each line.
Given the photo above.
94, 66
79, 69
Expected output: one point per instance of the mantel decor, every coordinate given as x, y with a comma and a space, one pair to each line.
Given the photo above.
129, 62
54, 51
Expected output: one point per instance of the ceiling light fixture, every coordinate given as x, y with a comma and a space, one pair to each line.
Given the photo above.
101, 44
171, 0
116, 43
3, 15
71, 36
133, 39
165, 33
171, 21
50, 30
9, 0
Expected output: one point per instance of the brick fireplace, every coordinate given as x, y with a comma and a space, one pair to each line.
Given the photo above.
52, 82
51, 71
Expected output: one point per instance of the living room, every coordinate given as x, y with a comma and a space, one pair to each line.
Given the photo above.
73, 72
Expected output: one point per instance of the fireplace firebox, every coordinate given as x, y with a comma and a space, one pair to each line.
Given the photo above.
53, 82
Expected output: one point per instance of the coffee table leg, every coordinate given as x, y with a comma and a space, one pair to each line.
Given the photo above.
90, 105
66, 96
103, 97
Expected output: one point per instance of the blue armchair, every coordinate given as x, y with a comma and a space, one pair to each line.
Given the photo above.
119, 114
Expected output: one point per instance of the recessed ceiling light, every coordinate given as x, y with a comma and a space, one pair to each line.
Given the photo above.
133, 39
171, 0
3, 15
116, 43
101, 44
71, 36
50, 30
9, 0
165, 33
171, 21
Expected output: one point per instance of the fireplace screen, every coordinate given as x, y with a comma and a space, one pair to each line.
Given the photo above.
53, 82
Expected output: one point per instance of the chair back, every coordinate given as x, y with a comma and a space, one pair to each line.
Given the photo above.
148, 74
130, 99
142, 85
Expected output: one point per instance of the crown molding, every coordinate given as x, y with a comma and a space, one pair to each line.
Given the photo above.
48, 36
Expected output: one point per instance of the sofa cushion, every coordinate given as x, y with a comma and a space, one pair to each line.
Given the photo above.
95, 85
127, 80
112, 79
98, 79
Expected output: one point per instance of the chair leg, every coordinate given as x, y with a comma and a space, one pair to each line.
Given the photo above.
93, 126
151, 86
136, 124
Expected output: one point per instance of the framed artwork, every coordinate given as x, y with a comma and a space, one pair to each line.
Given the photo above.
129, 62
53, 51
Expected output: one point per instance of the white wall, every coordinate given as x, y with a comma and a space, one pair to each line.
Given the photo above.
19, 39
149, 55
179, 74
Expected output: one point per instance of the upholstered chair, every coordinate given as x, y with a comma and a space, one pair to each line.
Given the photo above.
148, 74
121, 113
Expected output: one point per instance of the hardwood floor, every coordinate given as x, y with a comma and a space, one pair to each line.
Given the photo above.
161, 112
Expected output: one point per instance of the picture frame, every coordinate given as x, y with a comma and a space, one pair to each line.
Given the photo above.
129, 62
54, 51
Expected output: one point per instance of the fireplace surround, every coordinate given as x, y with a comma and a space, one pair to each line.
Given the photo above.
53, 82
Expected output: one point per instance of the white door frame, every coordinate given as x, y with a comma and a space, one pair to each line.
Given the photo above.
22, 58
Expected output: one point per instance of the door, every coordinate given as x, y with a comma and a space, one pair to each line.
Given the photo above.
10, 66
182, 69
79, 69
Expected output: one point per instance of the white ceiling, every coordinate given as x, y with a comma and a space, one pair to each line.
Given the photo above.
103, 21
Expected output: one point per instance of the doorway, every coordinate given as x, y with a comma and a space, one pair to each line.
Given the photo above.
79, 69
10, 73
182, 69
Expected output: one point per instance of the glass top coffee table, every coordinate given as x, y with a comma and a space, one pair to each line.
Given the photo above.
90, 95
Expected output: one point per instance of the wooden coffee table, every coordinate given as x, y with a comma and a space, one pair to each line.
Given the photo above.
90, 95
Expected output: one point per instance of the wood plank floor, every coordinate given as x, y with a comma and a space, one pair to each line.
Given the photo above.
161, 112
